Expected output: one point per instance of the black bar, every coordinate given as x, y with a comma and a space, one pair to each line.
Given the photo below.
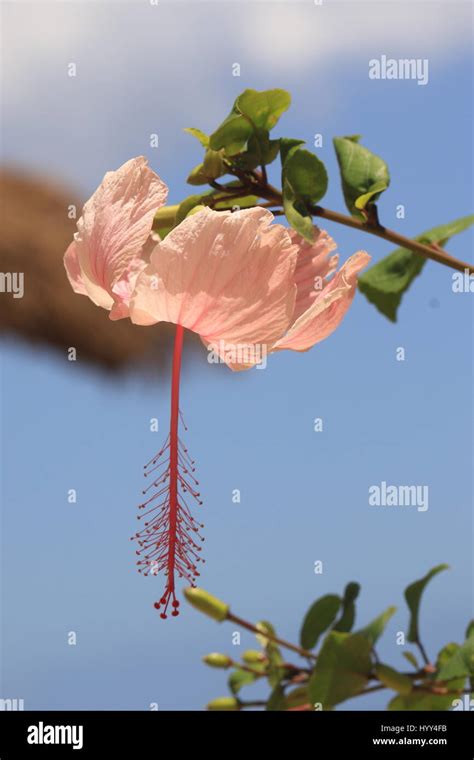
338, 734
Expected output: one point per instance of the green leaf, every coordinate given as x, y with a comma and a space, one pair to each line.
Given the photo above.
318, 619
460, 664
297, 697
196, 176
276, 700
363, 200
264, 108
385, 283
411, 659
413, 594
363, 174
239, 678
265, 628
251, 110
346, 621
203, 139
275, 671
296, 214
260, 150
212, 167
306, 174
342, 669
393, 679
469, 629
286, 144
374, 630
420, 700
304, 182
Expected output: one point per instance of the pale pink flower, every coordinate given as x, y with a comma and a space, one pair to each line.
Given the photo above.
112, 241
235, 279
239, 281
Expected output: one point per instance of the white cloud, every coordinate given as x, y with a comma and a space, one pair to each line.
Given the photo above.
294, 35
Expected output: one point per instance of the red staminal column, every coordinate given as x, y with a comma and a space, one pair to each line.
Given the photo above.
168, 540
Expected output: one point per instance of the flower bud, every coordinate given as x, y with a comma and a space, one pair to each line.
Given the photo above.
224, 703
165, 217
252, 656
195, 210
207, 603
217, 660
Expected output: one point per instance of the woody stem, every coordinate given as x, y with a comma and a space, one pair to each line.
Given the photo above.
282, 642
373, 227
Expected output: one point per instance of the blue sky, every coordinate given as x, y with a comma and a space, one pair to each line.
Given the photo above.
304, 495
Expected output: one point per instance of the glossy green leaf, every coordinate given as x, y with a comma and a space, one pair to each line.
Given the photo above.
296, 214
199, 135
264, 108
374, 630
306, 174
318, 619
411, 659
413, 594
286, 145
342, 669
252, 110
260, 150
385, 283
393, 679
304, 182
346, 620
363, 174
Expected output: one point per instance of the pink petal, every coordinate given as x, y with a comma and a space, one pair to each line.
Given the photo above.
113, 232
81, 283
327, 309
73, 270
226, 276
313, 267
